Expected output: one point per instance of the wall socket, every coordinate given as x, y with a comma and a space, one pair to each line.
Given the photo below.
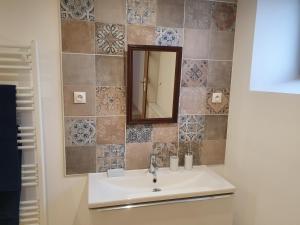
217, 98
79, 97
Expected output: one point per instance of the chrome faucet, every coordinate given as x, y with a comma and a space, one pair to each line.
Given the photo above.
153, 167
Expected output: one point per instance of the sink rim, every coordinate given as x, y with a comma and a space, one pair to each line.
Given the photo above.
223, 187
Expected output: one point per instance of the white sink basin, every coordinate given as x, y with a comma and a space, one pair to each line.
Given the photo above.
137, 186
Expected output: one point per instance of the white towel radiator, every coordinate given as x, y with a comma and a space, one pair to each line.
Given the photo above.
19, 66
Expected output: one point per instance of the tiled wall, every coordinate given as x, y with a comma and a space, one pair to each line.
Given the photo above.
95, 34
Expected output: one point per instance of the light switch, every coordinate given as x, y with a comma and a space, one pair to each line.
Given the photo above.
217, 98
79, 97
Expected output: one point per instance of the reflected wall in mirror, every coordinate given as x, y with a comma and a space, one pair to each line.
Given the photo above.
153, 84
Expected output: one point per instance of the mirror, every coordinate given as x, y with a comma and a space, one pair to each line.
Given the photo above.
153, 84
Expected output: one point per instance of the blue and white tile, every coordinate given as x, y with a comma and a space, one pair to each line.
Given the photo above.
110, 156
139, 133
77, 10
80, 131
191, 128
167, 36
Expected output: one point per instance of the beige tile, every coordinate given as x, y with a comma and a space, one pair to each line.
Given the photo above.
223, 16
137, 155
213, 152
80, 160
192, 100
110, 71
78, 36
140, 35
110, 11
215, 127
219, 74
72, 109
170, 13
196, 44
197, 14
221, 46
165, 133
111, 130
110, 101
78, 69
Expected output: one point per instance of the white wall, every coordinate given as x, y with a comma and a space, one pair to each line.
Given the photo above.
263, 146
276, 51
20, 22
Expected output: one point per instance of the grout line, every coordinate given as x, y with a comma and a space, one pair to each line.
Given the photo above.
91, 54
217, 60
228, 2
102, 116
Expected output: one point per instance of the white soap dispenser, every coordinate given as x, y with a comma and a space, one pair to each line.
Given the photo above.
188, 159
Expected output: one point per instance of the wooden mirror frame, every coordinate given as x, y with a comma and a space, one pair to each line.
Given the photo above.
178, 51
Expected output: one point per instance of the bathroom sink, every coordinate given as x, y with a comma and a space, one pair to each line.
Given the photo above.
137, 186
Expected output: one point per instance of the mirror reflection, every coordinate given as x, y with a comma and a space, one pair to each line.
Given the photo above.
153, 78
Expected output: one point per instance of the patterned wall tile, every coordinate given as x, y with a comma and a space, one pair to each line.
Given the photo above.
139, 133
191, 128
223, 15
197, 14
219, 74
217, 108
110, 150
110, 157
194, 148
194, 73
140, 35
80, 160
111, 130
80, 131
163, 151
110, 39
102, 164
165, 133
192, 100
77, 10
109, 70
141, 12
110, 101
166, 36
78, 37
138, 155
196, 44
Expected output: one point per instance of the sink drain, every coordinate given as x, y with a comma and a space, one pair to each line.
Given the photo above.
156, 190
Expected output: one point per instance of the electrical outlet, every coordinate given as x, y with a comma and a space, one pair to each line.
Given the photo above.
217, 98
79, 97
